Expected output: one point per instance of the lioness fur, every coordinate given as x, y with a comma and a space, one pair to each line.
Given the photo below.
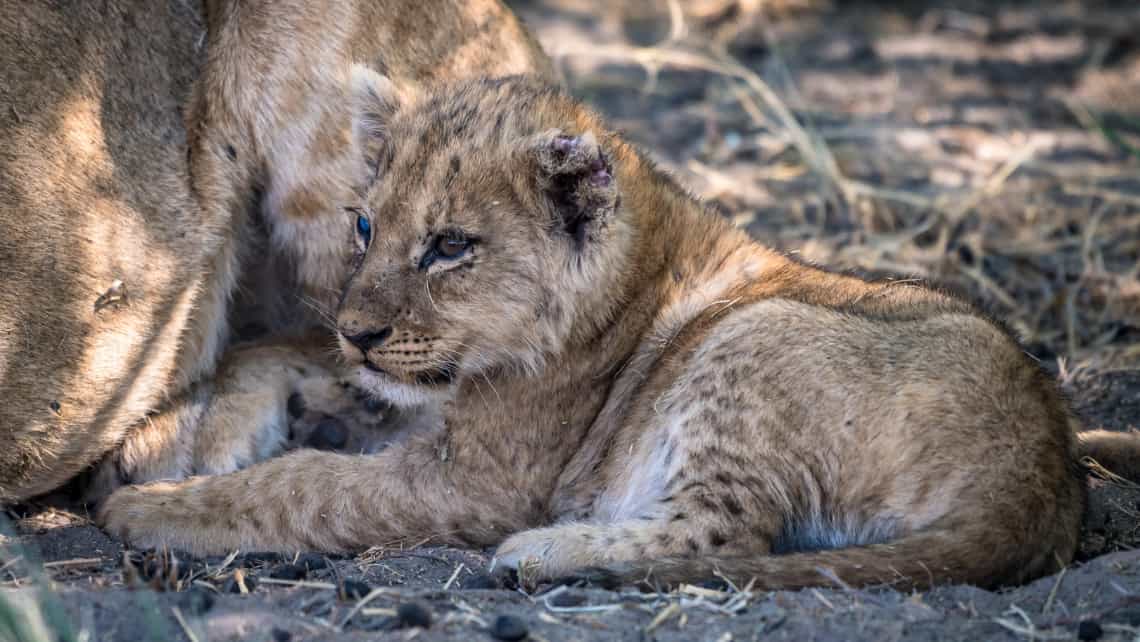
629, 383
157, 162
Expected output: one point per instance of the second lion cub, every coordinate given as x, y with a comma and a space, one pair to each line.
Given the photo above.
629, 382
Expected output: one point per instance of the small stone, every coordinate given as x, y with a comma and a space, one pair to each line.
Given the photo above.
509, 628
413, 615
313, 561
280, 635
291, 572
353, 590
1089, 630
481, 581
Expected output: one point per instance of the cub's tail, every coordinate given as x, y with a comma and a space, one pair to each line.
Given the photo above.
1115, 452
985, 558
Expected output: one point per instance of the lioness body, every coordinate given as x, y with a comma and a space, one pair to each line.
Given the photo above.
127, 222
628, 382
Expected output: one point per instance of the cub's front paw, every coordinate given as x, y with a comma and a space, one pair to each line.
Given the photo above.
154, 515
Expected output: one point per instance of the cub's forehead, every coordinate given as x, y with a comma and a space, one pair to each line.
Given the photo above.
485, 114
456, 139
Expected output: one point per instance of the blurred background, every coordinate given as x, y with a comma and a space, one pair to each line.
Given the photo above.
993, 147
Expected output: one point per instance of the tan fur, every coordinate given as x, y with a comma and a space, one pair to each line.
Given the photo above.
128, 223
628, 382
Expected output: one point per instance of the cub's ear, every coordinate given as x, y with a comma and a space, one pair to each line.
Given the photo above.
375, 100
575, 177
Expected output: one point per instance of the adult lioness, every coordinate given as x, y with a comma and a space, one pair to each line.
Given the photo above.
124, 228
629, 382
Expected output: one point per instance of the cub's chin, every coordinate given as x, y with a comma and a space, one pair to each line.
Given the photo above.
431, 388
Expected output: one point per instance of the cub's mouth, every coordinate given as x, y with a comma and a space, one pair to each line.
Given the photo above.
442, 375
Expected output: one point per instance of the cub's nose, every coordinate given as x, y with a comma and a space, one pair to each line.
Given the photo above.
368, 339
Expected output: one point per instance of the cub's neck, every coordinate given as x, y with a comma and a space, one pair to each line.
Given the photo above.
676, 257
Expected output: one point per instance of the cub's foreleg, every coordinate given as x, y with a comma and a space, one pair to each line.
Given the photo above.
311, 500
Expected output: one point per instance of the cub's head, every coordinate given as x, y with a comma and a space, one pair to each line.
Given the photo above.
488, 239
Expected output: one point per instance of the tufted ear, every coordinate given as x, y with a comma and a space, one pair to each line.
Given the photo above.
374, 101
575, 175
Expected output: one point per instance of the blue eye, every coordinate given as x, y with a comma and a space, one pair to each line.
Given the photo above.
364, 228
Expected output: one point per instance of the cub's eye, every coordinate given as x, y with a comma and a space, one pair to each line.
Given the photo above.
451, 246
363, 228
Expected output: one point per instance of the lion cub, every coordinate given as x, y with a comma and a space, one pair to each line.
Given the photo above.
629, 383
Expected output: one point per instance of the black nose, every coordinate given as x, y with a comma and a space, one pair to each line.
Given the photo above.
368, 339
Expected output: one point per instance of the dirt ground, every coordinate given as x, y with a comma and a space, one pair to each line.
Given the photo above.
990, 146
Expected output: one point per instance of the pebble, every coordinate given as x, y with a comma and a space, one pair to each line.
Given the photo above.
1089, 630
313, 561
508, 628
292, 572
280, 635
413, 615
353, 589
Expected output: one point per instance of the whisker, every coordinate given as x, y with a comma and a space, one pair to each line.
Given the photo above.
427, 288
322, 314
493, 389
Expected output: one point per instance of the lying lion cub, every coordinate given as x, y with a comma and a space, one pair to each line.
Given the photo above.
630, 383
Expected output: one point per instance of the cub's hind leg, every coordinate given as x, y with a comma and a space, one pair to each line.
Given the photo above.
559, 551
701, 509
